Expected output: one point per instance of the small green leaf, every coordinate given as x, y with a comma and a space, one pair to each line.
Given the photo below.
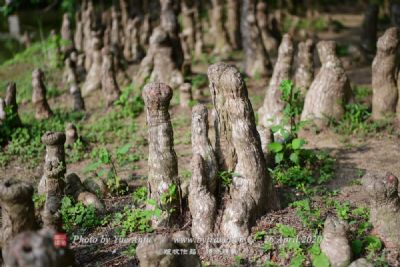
278, 158
275, 147
294, 157
297, 143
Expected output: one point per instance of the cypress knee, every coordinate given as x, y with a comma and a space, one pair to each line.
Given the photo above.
330, 91
270, 42
162, 161
11, 101
202, 203
256, 59
233, 23
382, 189
39, 100
305, 66
31, 249
271, 112
201, 145
17, 210
108, 81
335, 244
218, 30
252, 192
185, 96
52, 181
384, 75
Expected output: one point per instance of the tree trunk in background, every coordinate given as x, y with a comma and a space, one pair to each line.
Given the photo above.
369, 28
256, 60
270, 42
218, 31
232, 23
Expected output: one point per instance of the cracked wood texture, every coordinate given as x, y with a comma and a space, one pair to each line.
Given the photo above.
271, 112
256, 59
202, 202
162, 161
330, 90
384, 75
201, 144
252, 192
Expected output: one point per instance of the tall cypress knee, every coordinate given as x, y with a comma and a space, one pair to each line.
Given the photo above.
252, 192
162, 161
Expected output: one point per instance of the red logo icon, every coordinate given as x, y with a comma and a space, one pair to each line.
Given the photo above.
60, 240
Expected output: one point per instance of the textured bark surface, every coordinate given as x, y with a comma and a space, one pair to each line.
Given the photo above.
335, 244
267, 137
162, 161
384, 75
189, 22
133, 50
39, 100
330, 90
305, 66
3, 114
201, 145
185, 97
32, 249
75, 188
78, 36
252, 191
382, 188
218, 31
271, 112
199, 45
202, 203
159, 64
11, 101
256, 59
52, 181
369, 28
93, 79
152, 253
67, 38
17, 210
169, 23
108, 81
232, 23
271, 44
